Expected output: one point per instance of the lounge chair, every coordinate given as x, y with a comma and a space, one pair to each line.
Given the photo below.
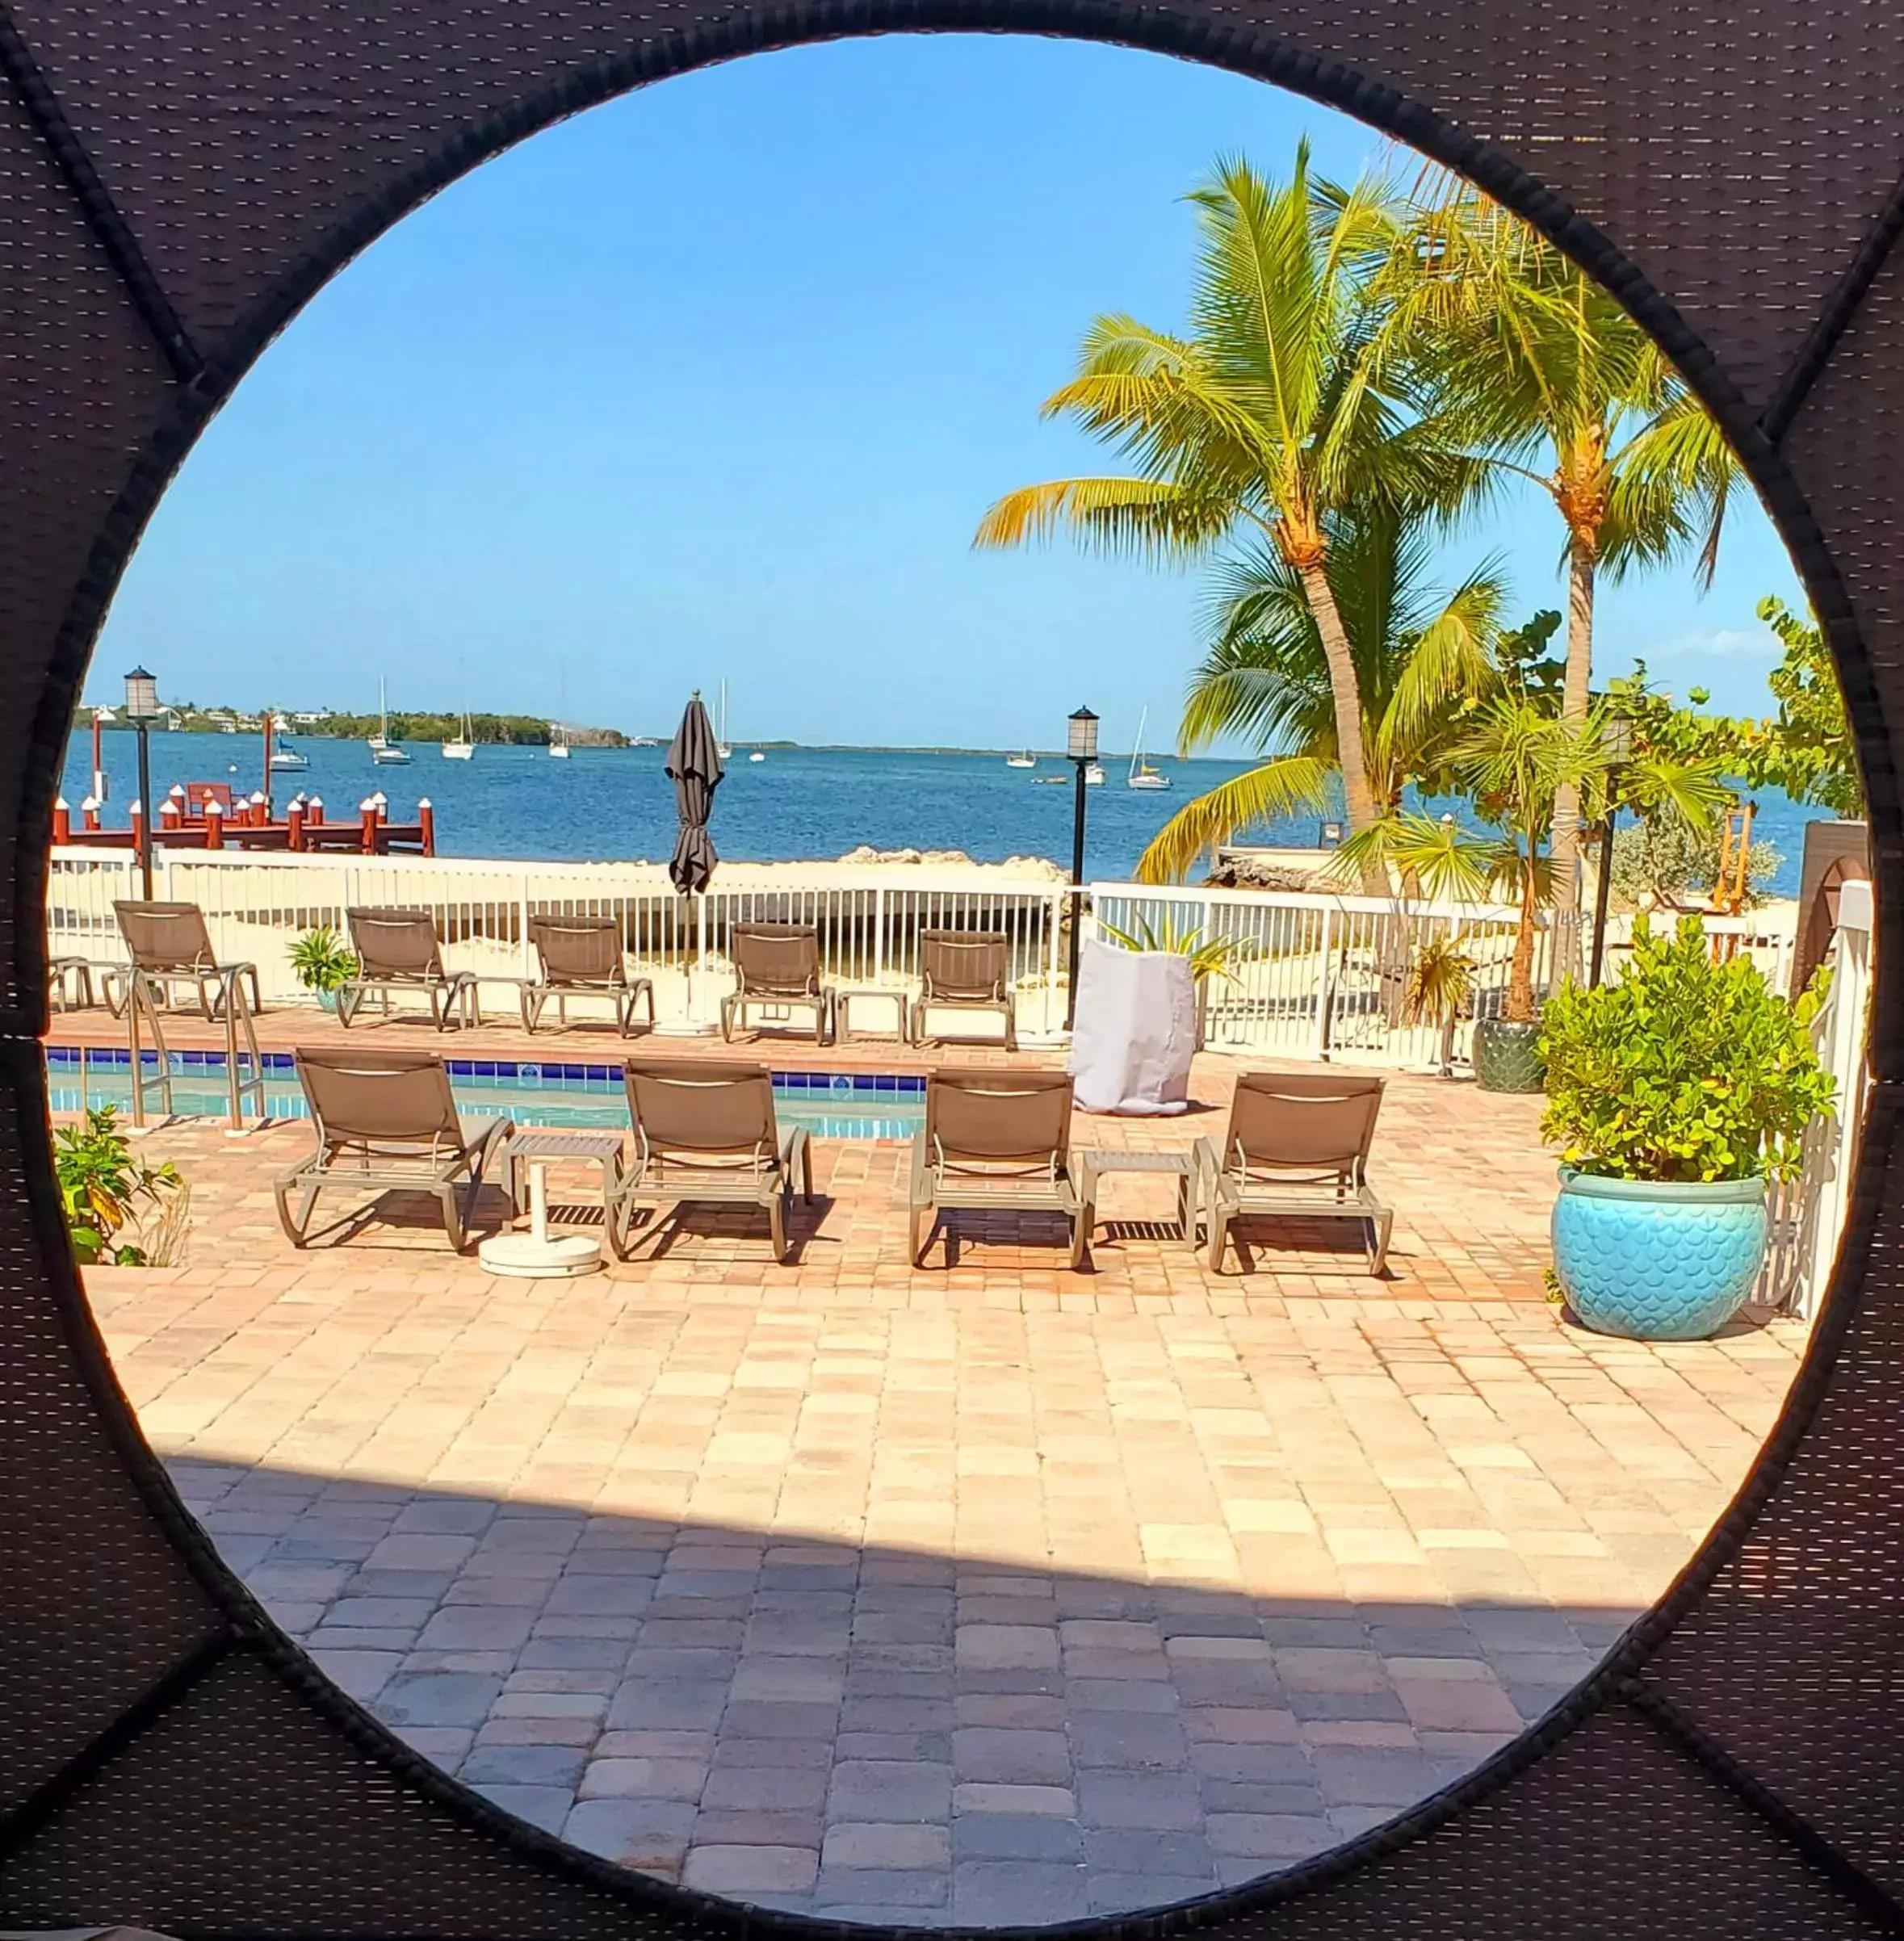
399, 950
777, 967
996, 1142
582, 957
386, 1122
1296, 1148
964, 970
705, 1133
171, 950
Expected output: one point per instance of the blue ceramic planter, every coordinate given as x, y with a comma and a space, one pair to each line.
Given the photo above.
1655, 1262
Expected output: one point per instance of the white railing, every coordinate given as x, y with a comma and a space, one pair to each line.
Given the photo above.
1316, 975
870, 920
1319, 976
1807, 1213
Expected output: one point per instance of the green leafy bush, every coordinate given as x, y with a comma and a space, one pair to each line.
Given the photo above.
322, 960
1683, 1069
106, 1189
1669, 860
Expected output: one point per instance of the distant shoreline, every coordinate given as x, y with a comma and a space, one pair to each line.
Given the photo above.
314, 732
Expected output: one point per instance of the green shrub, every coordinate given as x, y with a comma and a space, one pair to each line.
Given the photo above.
322, 960
1670, 861
1683, 1069
105, 1188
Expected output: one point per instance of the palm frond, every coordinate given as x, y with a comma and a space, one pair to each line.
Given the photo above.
1439, 860
1452, 658
1153, 518
1283, 786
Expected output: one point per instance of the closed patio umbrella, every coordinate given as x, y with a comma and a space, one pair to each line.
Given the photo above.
694, 767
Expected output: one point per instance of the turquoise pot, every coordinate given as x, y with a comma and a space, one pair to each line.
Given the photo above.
1655, 1262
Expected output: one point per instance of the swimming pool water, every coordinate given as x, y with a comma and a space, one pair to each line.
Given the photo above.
830, 1104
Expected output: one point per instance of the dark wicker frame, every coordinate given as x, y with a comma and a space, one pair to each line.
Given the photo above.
174, 181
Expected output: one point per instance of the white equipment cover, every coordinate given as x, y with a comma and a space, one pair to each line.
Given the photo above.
1135, 1031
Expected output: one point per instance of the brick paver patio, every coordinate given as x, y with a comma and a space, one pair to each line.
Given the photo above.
998, 1596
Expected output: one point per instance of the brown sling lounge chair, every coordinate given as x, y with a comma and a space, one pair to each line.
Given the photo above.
399, 950
386, 1122
964, 970
582, 957
777, 967
996, 1142
705, 1133
1296, 1148
171, 950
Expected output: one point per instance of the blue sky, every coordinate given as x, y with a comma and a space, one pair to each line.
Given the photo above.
716, 381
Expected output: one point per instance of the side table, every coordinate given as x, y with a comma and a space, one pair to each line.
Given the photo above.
844, 996
1099, 1160
539, 1254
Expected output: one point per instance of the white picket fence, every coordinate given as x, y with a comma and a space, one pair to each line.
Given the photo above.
1323, 977
1314, 976
869, 919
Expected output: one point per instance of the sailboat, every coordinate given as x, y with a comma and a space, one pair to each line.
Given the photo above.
281, 758
558, 741
1142, 775
464, 746
384, 752
721, 746
1027, 760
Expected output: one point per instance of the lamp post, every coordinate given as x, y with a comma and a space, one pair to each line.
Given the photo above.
1081, 747
1616, 739
142, 709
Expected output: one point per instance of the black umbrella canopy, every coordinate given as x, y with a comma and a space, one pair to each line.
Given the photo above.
695, 768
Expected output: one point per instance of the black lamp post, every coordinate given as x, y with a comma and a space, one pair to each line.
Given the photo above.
1616, 738
1081, 747
142, 709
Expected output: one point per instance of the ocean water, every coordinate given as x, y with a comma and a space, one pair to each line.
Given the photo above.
617, 804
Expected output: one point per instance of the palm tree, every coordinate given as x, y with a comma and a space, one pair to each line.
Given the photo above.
1420, 653
1549, 370
1270, 416
1514, 759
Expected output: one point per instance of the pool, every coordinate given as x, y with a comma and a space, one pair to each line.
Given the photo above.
830, 1104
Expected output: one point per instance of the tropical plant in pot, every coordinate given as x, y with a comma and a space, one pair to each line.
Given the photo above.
1209, 956
1673, 1095
324, 963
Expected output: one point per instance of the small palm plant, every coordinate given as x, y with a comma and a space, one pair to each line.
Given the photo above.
1439, 987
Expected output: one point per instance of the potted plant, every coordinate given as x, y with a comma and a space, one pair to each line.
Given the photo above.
1208, 956
104, 1188
323, 962
1673, 1096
